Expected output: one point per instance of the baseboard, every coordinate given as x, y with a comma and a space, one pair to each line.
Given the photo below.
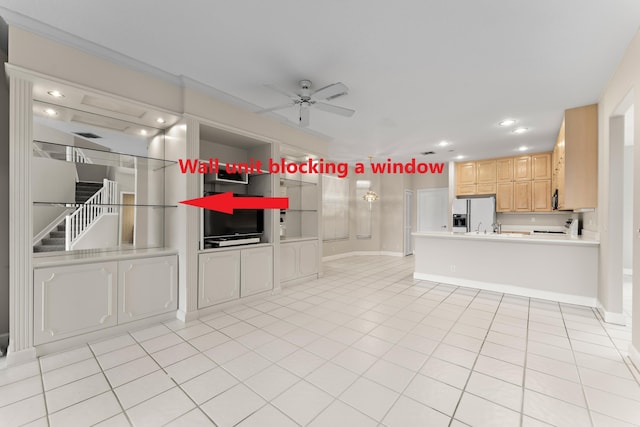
361, 253
186, 316
22, 356
509, 289
634, 356
611, 317
627, 271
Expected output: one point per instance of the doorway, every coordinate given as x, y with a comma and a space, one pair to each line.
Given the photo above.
127, 218
408, 222
627, 214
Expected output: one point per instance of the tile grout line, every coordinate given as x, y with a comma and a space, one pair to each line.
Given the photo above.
44, 395
575, 361
524, 368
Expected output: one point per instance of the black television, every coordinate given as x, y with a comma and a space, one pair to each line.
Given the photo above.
242, 223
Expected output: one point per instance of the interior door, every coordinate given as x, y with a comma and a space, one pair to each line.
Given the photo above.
433, 209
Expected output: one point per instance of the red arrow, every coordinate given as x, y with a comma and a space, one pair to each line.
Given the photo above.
225, 202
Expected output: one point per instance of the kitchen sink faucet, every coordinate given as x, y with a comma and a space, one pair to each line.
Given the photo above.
478, 228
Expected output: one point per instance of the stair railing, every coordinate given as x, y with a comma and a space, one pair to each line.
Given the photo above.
103, 201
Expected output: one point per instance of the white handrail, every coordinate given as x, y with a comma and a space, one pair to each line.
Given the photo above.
76, 155
102, 202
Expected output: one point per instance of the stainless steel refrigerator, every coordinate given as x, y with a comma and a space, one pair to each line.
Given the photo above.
474, 213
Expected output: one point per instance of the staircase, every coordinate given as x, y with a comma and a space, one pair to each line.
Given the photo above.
55, 241
84, 191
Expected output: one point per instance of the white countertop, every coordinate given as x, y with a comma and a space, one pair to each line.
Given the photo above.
47, 259
561, 239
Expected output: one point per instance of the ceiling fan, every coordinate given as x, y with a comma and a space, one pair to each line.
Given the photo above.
306, 98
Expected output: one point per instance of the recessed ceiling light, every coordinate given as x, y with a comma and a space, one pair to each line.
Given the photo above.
443, 144
507, 122
56, 94
523, 148
143, 132
161, 120
460, 157
520, 130
50, 112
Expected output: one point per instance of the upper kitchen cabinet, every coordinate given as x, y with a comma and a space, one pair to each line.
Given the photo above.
522, 168
541, 166
504, 170
466, 178
576, 159
486, 177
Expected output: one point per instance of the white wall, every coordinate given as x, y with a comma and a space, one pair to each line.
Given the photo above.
4, 196
102, 233
53, 181
627, 212
622, 88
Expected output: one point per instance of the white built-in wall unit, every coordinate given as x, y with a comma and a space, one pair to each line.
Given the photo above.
121, 252
299, 225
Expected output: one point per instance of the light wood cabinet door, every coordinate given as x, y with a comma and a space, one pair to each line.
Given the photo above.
504, 168
465, 173
522, 196
522, 168
256, 270
218, 277
74, 299
486, 171
465, 190
487, 188
541, 166
504, 197
147, 287
541, 196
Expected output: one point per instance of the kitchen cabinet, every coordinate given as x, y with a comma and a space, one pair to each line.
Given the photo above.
486, 188
504, 170
541, 166
522, 196
541, 195
576, 165
504, 197
256, 270
218, 277
465, 173
522, 168
146, 287
486, 171
298, 259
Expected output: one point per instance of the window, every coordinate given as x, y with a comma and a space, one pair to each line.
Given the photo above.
363, 210
335, 208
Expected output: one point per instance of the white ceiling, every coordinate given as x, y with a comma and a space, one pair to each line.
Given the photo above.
419, 71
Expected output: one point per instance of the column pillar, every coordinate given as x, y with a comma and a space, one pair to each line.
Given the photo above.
20, 221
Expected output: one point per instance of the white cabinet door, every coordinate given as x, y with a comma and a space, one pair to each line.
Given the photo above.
146, 287
218, 277
308, 258
288, 261
73, 300
257, 271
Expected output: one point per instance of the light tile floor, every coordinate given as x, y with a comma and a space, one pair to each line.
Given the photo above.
366, 345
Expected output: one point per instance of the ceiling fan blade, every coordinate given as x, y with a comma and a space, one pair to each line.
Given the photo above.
331, 91
277, 107
347, 112
281, 91
304, 116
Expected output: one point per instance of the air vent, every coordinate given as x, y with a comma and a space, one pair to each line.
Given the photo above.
428, 153
88, 135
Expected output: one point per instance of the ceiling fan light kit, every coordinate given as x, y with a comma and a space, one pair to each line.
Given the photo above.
306, 99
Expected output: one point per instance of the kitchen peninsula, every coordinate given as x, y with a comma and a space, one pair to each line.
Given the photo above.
555, 267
